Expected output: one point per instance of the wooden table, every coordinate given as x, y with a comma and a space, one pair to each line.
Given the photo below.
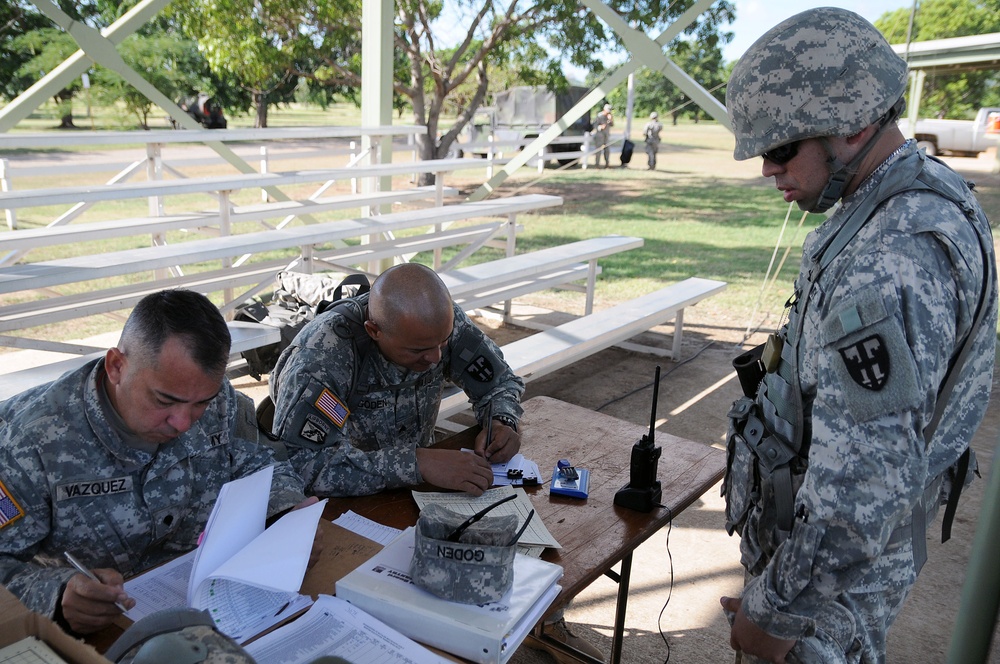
595, 533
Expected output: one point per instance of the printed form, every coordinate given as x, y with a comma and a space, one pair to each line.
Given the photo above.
335, 627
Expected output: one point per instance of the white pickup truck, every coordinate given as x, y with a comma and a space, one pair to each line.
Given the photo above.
958, 137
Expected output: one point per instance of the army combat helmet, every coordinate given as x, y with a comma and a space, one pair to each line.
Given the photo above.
823, 72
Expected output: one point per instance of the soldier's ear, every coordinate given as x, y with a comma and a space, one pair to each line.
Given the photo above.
114, 365
371, 327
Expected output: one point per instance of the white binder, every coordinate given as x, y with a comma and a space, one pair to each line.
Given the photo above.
486, 634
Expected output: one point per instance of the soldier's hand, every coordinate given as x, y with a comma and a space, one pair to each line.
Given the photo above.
747, 637
505, 443
452, 469
88, 605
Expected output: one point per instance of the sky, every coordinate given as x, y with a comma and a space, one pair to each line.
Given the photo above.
755, 17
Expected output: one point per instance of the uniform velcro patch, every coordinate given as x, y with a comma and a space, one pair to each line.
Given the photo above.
10, 510
332, 407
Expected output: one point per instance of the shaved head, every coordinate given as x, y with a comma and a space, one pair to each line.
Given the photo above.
410, 292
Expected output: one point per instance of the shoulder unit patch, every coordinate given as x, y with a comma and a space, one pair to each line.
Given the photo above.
867, 362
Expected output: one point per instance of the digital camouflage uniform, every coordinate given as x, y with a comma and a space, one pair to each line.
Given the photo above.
651, 132
867, 346
73, 485
602, 136
346, 445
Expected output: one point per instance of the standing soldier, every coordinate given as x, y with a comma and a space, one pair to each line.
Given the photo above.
841, 456
652, 134
602, 135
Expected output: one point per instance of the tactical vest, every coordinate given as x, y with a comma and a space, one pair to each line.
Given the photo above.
768, 441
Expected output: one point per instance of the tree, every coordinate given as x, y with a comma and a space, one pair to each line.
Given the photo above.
252, 43
957, 95
41, 51
17, 18
437, 74
170, 63
700, 57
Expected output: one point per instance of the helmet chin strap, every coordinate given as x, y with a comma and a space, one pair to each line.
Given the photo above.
841, 173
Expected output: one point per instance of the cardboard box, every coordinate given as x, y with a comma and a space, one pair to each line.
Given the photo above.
17, 622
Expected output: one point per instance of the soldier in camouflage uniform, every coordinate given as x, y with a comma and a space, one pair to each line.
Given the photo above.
120, 461
357, 393
856, 434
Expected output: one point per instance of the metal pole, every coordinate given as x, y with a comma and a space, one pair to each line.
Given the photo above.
977, 613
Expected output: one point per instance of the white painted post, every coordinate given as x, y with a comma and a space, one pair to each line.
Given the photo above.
154, 172
354, 181
7, 185
490, 156
263, 169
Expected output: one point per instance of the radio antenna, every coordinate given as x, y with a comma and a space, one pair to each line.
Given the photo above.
652, 414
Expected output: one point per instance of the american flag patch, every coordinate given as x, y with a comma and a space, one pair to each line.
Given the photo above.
10, 511
332, 407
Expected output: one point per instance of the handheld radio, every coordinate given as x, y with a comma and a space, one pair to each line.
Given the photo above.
643, 492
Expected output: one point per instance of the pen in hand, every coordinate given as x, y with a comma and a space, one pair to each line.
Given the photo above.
87, 573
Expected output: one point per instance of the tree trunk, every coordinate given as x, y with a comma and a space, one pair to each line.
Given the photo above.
260, 102
67, 122
426, 148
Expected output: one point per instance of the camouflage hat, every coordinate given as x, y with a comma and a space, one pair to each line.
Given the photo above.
178, 636
824, 72
477, 569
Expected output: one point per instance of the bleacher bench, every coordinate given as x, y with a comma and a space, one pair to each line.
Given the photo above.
245, 336
477, 286
557, 347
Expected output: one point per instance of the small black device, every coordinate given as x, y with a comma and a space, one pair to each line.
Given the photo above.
643, 492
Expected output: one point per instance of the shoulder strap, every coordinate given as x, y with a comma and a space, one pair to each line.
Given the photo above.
916, 179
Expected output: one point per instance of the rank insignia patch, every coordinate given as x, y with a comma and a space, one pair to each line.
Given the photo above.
867, 362
332, 407
314, 429
481, 369
10, 511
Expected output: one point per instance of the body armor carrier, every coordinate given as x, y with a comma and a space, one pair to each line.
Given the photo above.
768, 440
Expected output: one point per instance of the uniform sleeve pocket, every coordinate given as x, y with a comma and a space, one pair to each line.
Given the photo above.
867, 355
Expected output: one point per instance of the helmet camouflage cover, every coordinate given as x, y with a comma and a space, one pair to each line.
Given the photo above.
824, 72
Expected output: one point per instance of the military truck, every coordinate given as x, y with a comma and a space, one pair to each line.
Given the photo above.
522, 113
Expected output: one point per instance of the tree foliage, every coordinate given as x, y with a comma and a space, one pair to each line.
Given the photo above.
699, 58
448, 55
958, 95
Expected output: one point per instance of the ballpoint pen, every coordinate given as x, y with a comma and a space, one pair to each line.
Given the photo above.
87, 573
489, 430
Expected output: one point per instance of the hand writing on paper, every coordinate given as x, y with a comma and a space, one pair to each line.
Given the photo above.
88, 605
504, 442
452, 469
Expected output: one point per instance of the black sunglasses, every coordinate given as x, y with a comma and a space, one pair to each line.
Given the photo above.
782, 154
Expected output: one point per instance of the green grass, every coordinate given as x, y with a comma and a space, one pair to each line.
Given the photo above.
700, 215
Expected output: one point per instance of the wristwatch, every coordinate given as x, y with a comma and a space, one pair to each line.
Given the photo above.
506, 420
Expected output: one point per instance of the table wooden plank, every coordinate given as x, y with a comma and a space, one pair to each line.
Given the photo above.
595, 533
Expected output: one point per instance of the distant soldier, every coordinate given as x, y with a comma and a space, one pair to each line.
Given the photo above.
602, 135
851, 435
651, 132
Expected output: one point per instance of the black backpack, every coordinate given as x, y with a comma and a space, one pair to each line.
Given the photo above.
298, 299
